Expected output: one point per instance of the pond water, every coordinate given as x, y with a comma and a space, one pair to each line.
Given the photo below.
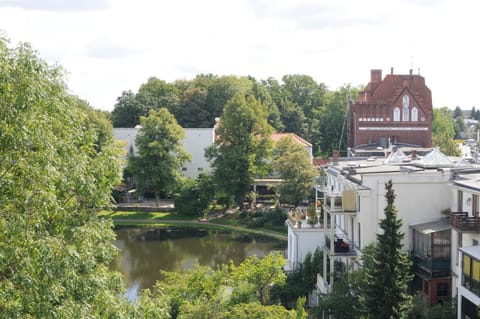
146, 251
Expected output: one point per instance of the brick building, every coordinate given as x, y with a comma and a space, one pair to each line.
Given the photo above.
397, 110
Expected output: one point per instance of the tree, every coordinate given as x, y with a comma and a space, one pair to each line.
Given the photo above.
443, 131
254, 278
58, 165
195, 196
160, 153
242, 148
127, 111
457, 113
156, 94
383, 291
294, 165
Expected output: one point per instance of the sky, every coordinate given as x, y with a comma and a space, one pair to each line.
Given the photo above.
111, 46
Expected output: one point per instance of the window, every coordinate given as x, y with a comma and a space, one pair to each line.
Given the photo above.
184, 169
442, 289
396, 114
405, 108
405, 114
200, 169
414, 114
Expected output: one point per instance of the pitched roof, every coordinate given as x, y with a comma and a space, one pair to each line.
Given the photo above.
278, 136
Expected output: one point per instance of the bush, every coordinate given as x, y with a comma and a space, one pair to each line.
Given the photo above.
276, 216
194, 196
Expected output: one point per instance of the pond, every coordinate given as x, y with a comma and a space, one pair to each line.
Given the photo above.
146, 251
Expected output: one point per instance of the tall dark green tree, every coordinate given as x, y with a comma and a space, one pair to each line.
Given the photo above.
160, 153
242, 149
384, 288
127, 111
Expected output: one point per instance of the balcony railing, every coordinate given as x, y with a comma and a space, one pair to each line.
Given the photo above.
463, 222
341, 247
432, 265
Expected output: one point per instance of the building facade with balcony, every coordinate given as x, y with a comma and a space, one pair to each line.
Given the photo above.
465, 222
354, 203
431, 253
468, 284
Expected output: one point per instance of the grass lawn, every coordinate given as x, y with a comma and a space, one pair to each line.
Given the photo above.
161, 216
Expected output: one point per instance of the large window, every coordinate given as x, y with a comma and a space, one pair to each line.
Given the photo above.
441, 244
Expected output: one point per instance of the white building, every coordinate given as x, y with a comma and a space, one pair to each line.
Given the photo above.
195, 142
354, 203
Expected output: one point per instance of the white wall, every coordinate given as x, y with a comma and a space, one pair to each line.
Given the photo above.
195, 142
301, 241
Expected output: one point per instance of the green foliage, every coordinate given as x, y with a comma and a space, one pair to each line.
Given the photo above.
195, 196
443, 131
160, 153
343, 302
294, 165
384, 287
301, 281
241, 150
421, 310
256, 276
58, 165
228, 292
127, 111
259, 218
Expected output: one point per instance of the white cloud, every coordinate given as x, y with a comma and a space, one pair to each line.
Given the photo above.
108, 47
56, 5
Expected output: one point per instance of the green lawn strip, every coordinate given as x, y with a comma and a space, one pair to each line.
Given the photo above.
144, 215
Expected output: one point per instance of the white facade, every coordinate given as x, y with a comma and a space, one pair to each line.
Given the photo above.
301, 241
422, 194
195, 142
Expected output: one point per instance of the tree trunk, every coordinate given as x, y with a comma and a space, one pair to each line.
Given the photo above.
157, 199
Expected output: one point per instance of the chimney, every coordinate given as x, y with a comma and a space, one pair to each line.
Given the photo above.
411, 71
391, 70
414, 154
376, 76
336, 154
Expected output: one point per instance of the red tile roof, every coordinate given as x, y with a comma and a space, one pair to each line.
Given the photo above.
277, 136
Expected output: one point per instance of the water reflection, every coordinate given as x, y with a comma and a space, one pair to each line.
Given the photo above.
144, 252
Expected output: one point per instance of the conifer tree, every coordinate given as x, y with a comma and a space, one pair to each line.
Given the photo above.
384, 290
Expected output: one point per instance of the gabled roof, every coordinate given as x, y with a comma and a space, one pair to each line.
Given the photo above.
393, 85
278, 136
435, 159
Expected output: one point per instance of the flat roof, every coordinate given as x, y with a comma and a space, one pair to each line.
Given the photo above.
432, 227
473, 251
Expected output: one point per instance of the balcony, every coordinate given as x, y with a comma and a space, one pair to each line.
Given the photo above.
341, 247
463, 222
341, 203
432, 267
